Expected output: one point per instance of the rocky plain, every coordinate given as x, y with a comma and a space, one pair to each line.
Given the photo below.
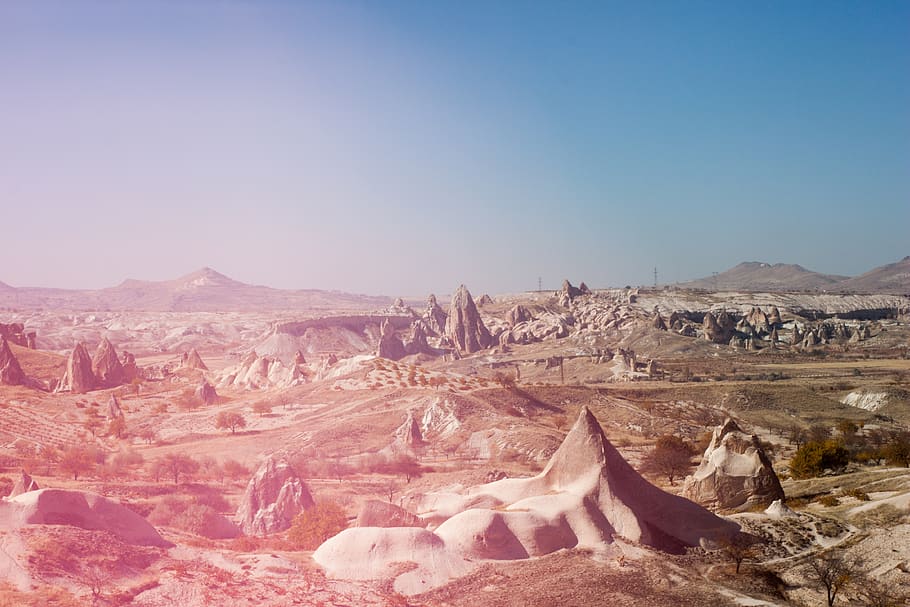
204, 442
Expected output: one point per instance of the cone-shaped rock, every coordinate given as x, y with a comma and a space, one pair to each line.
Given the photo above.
633, 507
464, 327
106, 365
194, 361
409, 433
734, 472
206, 393
273, 497
23, 484
485, 300
78, 376
10, 372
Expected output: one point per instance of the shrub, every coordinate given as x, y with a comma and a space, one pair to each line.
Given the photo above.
828, 500
186, 514
815, 457
312, 527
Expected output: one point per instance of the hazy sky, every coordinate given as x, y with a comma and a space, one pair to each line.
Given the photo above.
403, 148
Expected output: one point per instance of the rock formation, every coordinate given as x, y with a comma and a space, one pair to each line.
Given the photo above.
464, 327
78, 376
206, 393
375, 513
84, 510
735, 472
273, 497
675, 321
23, 484
299, 358
435, 316
518, 314
192, 360
10, 372
418, 344
583, 289
758, 320
113, 410
106, 366
389, 345
774, 318
15, 333
485, 300
408, 434
658, 322
585, 497
567, 293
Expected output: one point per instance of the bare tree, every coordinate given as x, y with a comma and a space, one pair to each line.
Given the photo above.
833, 571
738, 548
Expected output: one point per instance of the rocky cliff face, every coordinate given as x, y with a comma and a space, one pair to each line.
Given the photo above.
734, 473
273, 497
464, 327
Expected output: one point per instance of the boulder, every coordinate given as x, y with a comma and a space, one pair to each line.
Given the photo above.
78, 376
464, 327
273, 497
106, 366
10, 372
735, 472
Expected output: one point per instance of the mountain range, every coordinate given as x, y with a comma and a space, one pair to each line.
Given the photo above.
759, 276
203, 290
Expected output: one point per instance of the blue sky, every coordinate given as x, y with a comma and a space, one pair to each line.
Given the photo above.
403, 148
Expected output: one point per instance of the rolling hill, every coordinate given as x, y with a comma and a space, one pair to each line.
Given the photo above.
203, 290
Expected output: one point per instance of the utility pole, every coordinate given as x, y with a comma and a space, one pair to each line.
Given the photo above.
539, 283
655, 277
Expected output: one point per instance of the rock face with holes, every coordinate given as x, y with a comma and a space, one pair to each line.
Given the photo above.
10, 372
78, 376
273, 497
464, 327
735, 472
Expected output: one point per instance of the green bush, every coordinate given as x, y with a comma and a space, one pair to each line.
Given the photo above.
312, 527
815, 457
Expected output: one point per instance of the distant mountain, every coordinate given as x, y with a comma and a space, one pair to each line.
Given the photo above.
758, 276
203, 290
890, 278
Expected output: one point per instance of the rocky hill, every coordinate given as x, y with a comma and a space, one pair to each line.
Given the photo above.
759, 276
890, 278
203, 290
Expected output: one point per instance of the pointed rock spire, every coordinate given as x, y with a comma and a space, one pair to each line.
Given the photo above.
10, 372
78, 376
106, 365
464, 327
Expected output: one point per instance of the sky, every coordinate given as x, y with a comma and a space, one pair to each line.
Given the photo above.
407, 147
